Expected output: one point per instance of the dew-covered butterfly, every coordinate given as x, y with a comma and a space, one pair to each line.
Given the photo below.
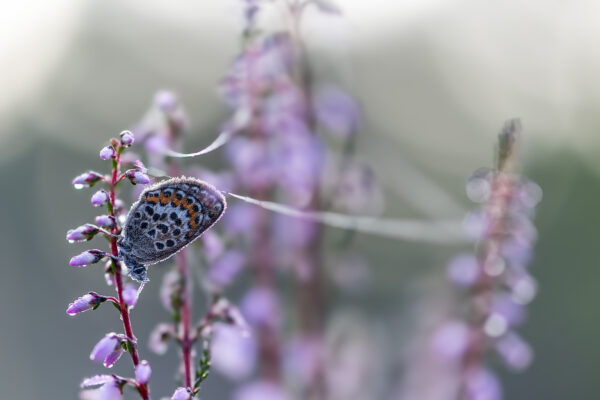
167, 217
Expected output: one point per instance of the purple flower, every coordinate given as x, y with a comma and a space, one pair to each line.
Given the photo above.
84, 303
105, 221
233, 354
130, 294
482, 384
213, 245
181, 393
451, 340
127, 138
224, 270
88, 178
143, 372
156, 144
260, 390
82, 233
159, 338
108, 153
100, 198
463, 270
260, 307
515, 352
337, 111
239, 218
96, 380
108, 350
136, 177
87, 257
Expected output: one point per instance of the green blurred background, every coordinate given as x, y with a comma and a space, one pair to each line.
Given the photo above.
436, 80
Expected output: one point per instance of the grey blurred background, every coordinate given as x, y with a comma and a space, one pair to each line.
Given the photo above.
436, 79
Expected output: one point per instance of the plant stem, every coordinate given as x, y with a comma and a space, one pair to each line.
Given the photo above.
143, 389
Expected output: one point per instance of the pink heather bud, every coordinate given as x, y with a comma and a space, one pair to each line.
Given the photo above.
82, 233
100, 198
86, 258
107, 350
105, 221
88, 178
85, 302
126, 138
181, 393
136, 177
143, 372
108, 153
130, 295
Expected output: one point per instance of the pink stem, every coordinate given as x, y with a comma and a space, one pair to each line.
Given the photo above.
143, 389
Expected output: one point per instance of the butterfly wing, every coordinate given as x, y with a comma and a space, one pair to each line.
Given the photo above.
167, 217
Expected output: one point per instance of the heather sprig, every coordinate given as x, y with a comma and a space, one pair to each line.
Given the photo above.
496, 282
110, 348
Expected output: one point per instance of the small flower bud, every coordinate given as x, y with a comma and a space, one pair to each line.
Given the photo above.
165, 100
130, 295
99, 198
84, 303
181, 393
143, 372
87, 257
82, 233
127, 138
136, 177
108, 350
108, 153
105, 221
88, 178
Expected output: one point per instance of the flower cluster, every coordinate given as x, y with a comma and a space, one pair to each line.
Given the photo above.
495, 278
110, 348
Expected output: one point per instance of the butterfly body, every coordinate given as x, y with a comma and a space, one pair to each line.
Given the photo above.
167, 217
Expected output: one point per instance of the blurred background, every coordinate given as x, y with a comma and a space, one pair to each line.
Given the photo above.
435, 79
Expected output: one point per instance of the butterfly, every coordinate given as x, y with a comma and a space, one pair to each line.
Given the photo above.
167, 217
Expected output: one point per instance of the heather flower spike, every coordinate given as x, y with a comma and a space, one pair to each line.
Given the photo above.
86, 302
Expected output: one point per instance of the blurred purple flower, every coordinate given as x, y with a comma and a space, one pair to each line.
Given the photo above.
213, 245
233, 353
224, 269
165, 100
110, 388
260, 390
170, 289
159, 338
337, 111
260, 307
451, 341
239, 218
100, 198
156, 144
463, 270
84, 303
482, 384
516, 353
143, 372
136, 176
108, 153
